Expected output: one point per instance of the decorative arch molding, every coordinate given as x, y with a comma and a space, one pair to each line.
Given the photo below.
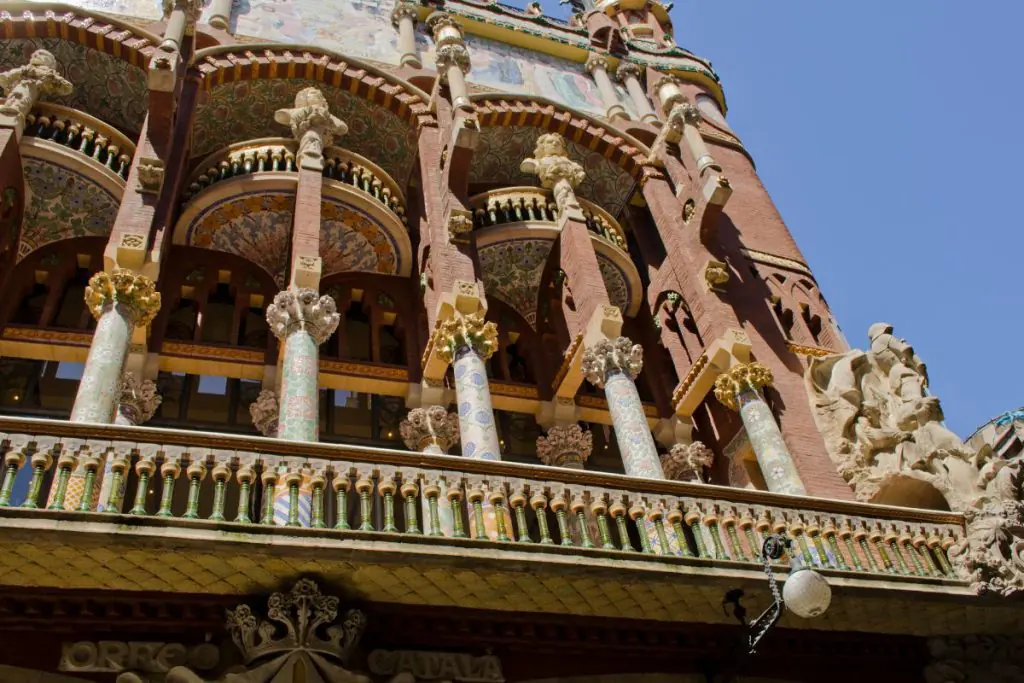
224, 64
512, 259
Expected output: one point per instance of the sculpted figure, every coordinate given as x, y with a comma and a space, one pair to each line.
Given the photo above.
551, 163
24, 85
312, 123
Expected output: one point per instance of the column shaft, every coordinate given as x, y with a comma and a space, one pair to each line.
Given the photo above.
99, 389
175, 31
636, 444
457, 87
643, 105
613, 109
476, 416
220, 14
299, 395
766, 440
407, 43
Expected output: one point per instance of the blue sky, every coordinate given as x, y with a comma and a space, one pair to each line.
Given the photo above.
889, 135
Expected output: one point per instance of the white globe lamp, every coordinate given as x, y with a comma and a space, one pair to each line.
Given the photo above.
806, 593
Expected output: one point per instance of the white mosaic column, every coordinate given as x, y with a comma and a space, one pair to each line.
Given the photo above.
303, 320
614, 364
738, 389
120, 302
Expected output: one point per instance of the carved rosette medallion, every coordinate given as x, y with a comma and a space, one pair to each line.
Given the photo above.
139, 400
303, 309
135, 295
612, 356
430, 426
471, 331
265, 411
745, 378
568, 446
687, 461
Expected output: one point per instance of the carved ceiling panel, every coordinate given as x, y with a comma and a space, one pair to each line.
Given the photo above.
106, 87
244, 110
501, 150
62, 205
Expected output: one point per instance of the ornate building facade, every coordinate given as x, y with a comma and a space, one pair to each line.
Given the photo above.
447, 341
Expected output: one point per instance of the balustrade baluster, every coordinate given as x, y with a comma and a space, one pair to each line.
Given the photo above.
386, 488
905, 542
91, 463
169, 470
13, 460
58, 130
317, 484
289, 161
364, 487
269, 480
618, 512
539, 503
518, 502
637, 514
342, 484
432, 491
455, 500
221, 473
245, 475
409, 491
599, 508
797, 532
65, 464
729, 523
578, 506
829, 532
693, 519
196, 472
940, 548
924, 555
710, 520
675, 518
497, 501
558, 505
656, 515
891, 540
875, 538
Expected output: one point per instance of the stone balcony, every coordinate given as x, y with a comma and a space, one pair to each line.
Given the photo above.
401, 527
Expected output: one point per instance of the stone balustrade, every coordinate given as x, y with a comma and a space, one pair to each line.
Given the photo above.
177, 475
524, 204
81, 133
279, 154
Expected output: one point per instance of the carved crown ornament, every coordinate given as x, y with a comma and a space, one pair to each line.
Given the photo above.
311, 123
134, 294
465, 331
303, 309
265, 412
432, 425
687, 461
138, 400
610, 356
565, 446
740, 379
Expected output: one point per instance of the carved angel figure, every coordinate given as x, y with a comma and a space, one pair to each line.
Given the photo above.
551, 163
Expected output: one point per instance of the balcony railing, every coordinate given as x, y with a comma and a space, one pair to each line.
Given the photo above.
278, 154
519, 204
338, 490
82, 133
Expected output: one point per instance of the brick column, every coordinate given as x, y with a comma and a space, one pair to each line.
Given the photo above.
120, 302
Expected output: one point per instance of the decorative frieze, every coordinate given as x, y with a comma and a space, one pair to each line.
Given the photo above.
610, 356
565, 446
303, 309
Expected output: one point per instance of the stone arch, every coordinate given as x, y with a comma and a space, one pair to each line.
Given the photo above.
242, 85
908, 490
106, 59
511, 124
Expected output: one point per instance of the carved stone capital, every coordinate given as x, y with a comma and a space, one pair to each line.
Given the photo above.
265, 411
312, 123
471, 331
745, 377
567, 446
403, 10
683, 113
150, 174
430, 426
715, 275
444, 27
610, 356
136, 293
556, 171
138, 400
628, 70
452, 54
23, 86
460, 225
687, 461
303, 309
596, 61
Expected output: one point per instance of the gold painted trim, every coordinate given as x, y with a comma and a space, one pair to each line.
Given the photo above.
812, 351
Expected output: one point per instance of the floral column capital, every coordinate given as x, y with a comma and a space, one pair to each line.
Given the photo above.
741, 378
567, 446
596, 61
687, 461
312, 124
627, 70
136, 293
138, 400
432, 425
451, 45
552, 165
612, 355
303, 309
471, 330
24, 85
682, 115
265, 411
404, 9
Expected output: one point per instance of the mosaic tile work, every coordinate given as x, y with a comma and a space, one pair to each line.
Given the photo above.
351, 241
63, 205
100, 387
76, 489
256, 227
512, 272
766, 439
476, 417
282, 501
244, 110
501, 150
106, 87
639, 454
299, 410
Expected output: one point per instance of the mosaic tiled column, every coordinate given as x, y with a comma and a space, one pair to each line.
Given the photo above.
220, 14
403, 18
180, 17
120, 302
433, 430
467, 341
738, 389
303, 320
614, 364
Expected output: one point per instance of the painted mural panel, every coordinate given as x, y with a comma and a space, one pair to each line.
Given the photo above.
143, 9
